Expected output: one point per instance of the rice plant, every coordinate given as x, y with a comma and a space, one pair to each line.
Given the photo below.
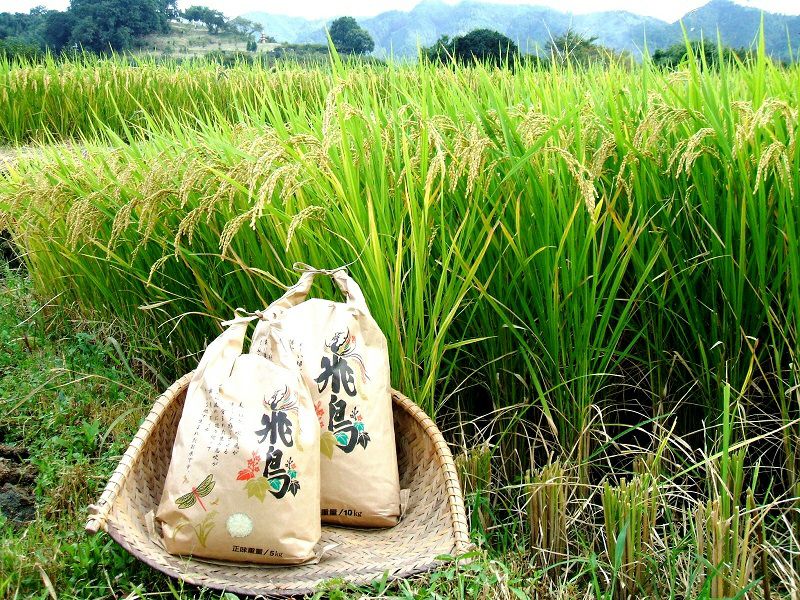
475, 475
727, 541
548, 490
629, 510
588, 265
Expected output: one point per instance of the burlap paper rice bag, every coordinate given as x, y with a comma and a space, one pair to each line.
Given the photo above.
243, 481
343, 357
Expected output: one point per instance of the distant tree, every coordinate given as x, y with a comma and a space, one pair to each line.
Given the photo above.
14, 24
707, 54
576, 48
94, 25
349, 37
171, 9
57, 29
214, 20
15, 49
572, 46
24, 28
244, 26
103, 25
196, 14
440, 51
251, 45
481, 45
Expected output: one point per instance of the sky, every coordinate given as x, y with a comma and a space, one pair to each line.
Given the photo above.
668, 10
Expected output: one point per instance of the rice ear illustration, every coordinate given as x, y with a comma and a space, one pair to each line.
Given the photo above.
203, 529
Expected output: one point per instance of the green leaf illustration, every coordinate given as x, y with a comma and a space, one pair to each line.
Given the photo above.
341, 438
327, 443
257, 487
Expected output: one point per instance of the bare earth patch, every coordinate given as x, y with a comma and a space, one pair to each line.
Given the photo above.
17, 478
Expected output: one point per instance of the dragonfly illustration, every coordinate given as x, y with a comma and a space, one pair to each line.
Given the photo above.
201, 491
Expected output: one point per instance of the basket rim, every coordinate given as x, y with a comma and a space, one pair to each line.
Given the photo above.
120, 538
99, 513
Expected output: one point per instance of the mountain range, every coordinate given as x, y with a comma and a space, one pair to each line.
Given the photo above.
399, 33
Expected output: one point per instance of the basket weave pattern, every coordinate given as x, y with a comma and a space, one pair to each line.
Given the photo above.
434, 522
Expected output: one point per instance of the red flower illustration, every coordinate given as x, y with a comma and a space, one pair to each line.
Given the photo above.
320, 413
244, 475
253, 465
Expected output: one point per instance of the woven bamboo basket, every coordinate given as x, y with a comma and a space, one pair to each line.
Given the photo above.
433, 524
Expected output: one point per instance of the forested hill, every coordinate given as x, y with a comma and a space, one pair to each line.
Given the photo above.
531, 26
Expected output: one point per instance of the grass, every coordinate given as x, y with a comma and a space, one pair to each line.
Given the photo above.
67, 399
588, 276
74, 402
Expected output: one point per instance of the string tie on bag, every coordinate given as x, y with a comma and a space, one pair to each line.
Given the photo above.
244, 316
302, 267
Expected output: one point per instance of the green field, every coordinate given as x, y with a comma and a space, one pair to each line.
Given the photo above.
590, 277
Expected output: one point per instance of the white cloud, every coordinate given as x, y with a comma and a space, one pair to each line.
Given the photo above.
669, 10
